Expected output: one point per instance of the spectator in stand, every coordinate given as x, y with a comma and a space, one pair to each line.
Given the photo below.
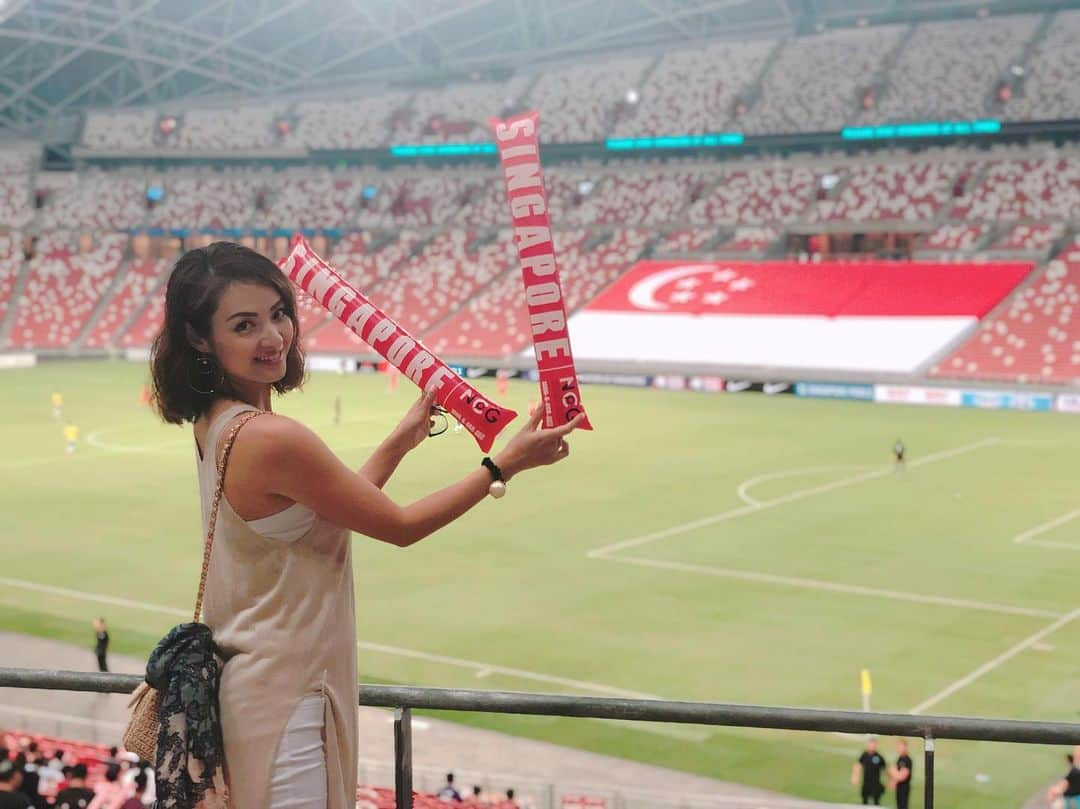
76, 795
113, 761
137, 801
10, 781
51, 772
145, 769
231, 337
112, 793
29, 784
477, 797
1069, 785
510, 803
449, 793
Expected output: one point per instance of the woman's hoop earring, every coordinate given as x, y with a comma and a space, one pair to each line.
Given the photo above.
205, 384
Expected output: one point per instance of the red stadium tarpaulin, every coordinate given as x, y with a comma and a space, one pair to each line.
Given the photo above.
874, 315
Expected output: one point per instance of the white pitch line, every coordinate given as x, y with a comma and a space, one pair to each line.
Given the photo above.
96, 597
171, 447
603, 552
583, 685
491, 668
1027, 538
1004, 657
834, 587
743, 490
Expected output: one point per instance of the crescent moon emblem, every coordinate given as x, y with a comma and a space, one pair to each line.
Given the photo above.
643, 294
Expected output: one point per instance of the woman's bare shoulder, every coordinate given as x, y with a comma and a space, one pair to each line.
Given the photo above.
272, 434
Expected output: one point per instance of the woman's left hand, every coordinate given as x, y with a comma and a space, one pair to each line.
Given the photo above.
417, 423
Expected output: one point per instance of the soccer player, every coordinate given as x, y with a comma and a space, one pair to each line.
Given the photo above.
57, 405
869, 766
898, 451
71, 436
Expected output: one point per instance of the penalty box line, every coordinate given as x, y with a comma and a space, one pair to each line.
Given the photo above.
1028, 537
607, 552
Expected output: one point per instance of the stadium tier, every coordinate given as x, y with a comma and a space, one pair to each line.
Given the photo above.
427, 245
1015, 67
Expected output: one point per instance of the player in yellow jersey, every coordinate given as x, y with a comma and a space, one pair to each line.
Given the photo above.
57, 406
71, 436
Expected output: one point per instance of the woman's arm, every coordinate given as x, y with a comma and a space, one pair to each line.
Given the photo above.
276, 455
407, 436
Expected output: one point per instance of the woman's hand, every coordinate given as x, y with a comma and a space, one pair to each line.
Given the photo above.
533, 447
417, 423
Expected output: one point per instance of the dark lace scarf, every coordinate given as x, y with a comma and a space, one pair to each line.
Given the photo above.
189, 771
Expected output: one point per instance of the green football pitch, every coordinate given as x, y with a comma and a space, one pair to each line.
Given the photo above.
735, 548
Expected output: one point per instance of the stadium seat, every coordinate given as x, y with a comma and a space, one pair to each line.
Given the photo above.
62, 290
1032, 337
1050, 85
872, 192
140, 279
694, 91
814, 83
755, 196
11, 259
98, 200
496, 323
580, 102
946, 71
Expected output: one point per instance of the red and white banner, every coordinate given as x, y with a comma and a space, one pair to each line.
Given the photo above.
519, 152
873, 315
906, 394
483, 418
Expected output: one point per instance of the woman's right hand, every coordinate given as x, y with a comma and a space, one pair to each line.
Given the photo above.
533, 446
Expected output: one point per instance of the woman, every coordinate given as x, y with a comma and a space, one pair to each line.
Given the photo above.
279, 592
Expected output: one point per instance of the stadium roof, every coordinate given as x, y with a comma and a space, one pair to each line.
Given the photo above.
63, 56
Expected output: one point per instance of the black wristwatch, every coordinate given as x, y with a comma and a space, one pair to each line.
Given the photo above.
498, 485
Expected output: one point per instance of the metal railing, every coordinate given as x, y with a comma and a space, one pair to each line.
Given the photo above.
404, 699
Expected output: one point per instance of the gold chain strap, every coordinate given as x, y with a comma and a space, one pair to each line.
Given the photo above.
217, 501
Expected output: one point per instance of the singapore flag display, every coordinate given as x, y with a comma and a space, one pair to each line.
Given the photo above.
871, 315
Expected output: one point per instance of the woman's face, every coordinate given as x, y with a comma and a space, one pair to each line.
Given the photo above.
251, 334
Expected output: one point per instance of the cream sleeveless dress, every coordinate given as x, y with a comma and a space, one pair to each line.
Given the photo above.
283, 616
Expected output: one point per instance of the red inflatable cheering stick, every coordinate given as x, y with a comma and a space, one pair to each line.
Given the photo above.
519, 152
480, 416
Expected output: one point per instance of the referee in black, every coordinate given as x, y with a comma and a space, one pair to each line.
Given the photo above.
871, 765
101, 646
900, 774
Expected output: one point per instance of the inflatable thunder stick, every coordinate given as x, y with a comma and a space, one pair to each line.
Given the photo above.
519, 152
480, 416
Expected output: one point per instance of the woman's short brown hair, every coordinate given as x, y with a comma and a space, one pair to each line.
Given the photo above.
194, 290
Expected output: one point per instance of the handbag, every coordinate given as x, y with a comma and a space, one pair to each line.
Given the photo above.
144, 725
